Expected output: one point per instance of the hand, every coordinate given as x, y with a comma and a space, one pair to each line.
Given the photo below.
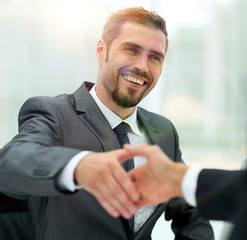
157, 180
102, 175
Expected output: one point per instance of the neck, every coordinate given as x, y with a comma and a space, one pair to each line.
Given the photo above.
122, 112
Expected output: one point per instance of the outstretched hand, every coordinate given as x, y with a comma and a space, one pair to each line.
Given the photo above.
157, 180
102, 175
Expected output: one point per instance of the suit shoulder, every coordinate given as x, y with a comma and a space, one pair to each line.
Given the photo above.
154, 116
41, 102
48, 107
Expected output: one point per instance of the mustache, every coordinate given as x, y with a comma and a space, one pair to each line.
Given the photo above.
126, 70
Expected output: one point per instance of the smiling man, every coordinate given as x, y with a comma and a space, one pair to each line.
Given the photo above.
64, 159
130, 66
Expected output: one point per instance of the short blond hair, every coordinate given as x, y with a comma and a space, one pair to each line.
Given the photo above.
112, 27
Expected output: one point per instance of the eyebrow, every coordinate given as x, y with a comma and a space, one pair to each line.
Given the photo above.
131, 44
158, 53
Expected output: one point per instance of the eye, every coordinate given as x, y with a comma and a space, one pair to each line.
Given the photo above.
131, 50
155, 58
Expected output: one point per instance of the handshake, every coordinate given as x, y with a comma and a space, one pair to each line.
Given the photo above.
122, 193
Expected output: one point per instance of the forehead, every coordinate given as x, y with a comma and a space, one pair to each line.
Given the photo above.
147, 37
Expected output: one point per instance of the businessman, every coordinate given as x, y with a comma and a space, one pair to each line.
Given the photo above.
219, 194
65, 161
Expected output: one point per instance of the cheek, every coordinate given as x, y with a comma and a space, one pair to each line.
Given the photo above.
159, 71
155, 72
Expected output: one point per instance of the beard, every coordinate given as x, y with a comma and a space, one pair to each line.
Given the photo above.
126, 100
129, 98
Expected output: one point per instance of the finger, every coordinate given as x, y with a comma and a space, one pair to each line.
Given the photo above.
144, 150
116, 195
147, 185
111, 188
126, 183
123, 155
122, 177
145, 202
109, 199
129, 152
111, 196
99, 193
109, 208
148, 198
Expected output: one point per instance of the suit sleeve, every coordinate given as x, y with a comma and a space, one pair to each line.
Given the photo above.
220, 193
187, 223
30, 163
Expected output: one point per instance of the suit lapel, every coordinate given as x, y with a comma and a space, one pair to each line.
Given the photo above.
91, 115
149, 126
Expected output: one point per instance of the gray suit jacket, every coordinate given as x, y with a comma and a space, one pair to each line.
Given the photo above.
51, 131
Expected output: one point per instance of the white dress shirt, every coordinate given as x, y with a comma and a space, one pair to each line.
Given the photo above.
66, 177
189, 185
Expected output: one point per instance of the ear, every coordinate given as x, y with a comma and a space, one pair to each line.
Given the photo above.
101, 51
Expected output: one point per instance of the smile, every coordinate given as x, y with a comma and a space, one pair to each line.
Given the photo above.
133, 80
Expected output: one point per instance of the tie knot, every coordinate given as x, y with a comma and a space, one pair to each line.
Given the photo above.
121, 129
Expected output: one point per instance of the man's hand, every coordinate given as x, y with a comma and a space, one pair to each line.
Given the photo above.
102, 175
157, 180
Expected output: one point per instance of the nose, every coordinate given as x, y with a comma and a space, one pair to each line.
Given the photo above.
141, 63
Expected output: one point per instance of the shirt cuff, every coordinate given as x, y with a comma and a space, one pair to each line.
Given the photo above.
189, 184
66, 177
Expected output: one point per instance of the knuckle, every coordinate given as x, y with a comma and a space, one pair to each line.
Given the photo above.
111, 163
108, 163
101, 170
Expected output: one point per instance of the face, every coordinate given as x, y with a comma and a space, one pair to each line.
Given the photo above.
131, 67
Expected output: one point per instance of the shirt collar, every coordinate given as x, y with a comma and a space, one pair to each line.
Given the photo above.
112, 118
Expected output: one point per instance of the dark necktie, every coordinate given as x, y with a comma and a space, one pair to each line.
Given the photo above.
121, 130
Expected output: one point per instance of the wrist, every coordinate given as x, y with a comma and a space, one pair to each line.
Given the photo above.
177, 174
78, 170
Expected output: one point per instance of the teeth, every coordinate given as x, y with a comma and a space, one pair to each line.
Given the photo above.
132, 79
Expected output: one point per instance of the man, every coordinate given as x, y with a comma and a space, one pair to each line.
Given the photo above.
64, 144
219, 194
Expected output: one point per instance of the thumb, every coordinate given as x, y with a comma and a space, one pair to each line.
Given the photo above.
140, 150
123, 155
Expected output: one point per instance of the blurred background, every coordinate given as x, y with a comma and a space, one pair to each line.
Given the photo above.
47, 47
